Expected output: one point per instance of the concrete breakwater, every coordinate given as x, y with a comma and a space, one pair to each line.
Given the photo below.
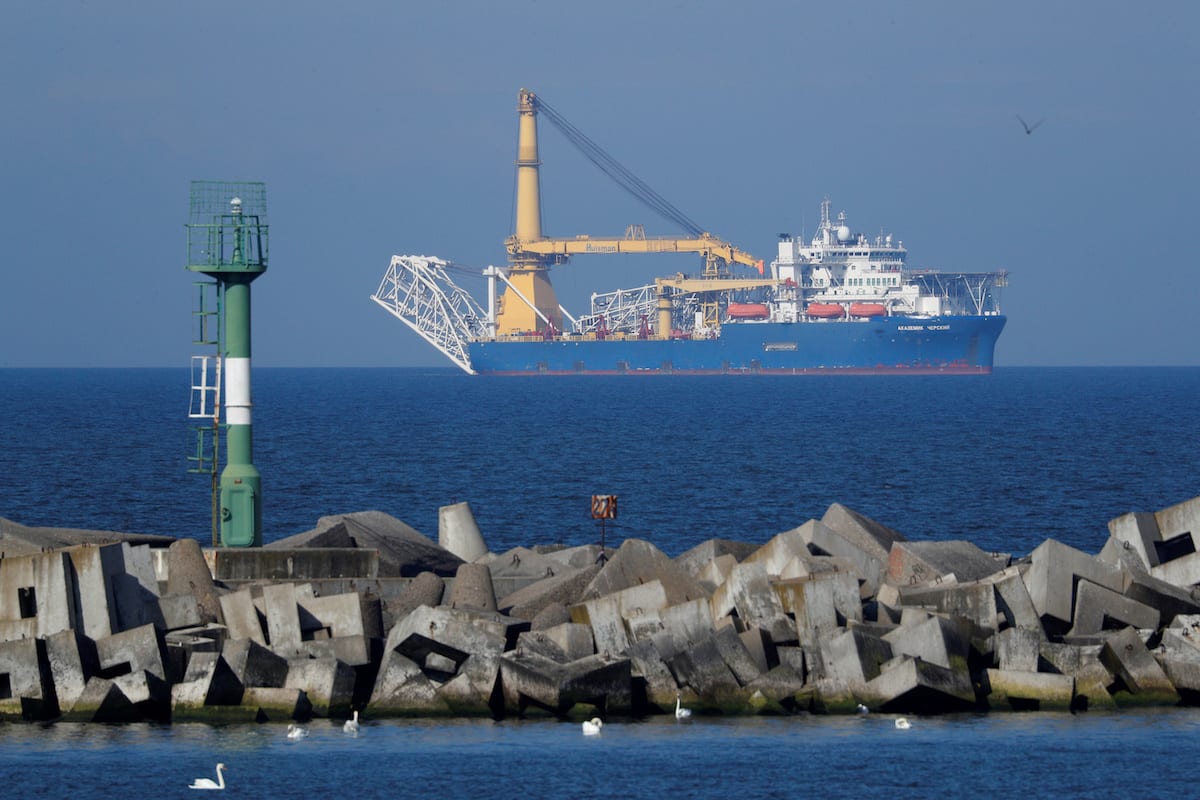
364, 613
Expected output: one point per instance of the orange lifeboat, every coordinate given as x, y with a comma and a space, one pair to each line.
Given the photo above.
826, 310
748, 311
868, 310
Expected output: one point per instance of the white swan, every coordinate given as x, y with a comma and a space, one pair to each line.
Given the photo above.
680, 711
351, 725
209, 783
296, 732
592, 726
903, 724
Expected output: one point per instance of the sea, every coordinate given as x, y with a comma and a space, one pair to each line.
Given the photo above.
1005, 461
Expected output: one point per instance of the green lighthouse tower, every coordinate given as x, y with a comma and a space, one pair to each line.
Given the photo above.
227, 241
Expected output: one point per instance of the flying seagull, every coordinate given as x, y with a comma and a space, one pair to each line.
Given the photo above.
1029, 128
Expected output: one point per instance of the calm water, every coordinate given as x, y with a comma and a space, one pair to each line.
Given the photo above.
997, 756
1005, 461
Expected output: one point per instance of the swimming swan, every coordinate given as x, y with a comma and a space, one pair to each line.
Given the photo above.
209, 783
680, 711
592, 726
296, 732
351, 725
903, 724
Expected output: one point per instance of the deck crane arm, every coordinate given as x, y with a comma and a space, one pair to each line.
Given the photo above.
705, 244
698, 240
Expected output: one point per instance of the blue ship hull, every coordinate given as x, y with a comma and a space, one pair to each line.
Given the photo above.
908, 345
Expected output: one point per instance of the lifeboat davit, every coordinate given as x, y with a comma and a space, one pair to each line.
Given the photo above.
826, 310
748, 311
868, 310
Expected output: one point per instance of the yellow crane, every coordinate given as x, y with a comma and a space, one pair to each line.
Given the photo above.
530, 254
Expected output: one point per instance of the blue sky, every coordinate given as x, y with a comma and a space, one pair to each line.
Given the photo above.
390, 127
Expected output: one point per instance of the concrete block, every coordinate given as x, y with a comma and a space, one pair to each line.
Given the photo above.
209, 681
96, 609
188, 572
1168, 599
695, 560
132, 651
914, 685
402, 550
604, 616
748, 592
575, 641
473, 588
425, 589
242, 617
1098, 608
735, 655
1014, 606
820, 604
1178, 520
935, 640
865, 533
283, 619
26, 686
1018, 690
179, 611
276, 704
458, 532
780, 550
761, 649
101, 701
1054, 570
715, 572
637, 562
402, 688
1183, 571
1081, 662
975, 601
683, 624
39, 591
852, 658
328, 683
911, 563
703, 669
1126, 656
806, 565
1136, 533
72, 659
455, 634
648, 666
852, 543
254, 665
564, 588
530, 680
338, 620
1018, 649
473, 691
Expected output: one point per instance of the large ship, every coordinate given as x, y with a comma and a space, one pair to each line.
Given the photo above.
842, 303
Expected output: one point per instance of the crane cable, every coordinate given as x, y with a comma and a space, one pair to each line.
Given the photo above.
610, 167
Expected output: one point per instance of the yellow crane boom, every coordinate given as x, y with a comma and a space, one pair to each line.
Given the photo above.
530, 254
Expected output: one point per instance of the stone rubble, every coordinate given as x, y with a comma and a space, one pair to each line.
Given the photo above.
365, 614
